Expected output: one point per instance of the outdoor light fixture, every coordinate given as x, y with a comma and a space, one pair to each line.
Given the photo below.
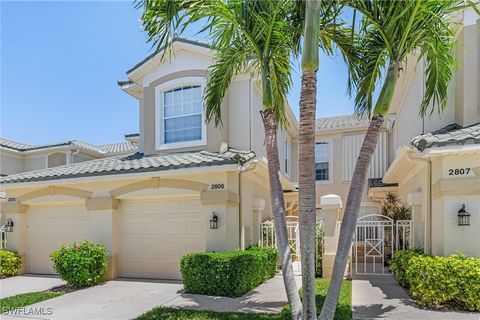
214, 221
463, 216
9, 225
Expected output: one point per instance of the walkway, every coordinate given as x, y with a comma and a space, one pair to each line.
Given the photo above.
380, 297
27, 283
128, 298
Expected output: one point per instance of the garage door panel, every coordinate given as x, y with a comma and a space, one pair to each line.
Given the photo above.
48, 228
170, 231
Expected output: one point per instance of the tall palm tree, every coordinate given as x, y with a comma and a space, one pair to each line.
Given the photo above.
392, 31
323, 28
306, 182
255, 35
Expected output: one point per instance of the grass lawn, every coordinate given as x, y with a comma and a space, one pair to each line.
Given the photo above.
343, 312
25, 299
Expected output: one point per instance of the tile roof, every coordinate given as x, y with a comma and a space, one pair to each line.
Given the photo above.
452, 134
104, 149
378, 183
339, 122
136, 162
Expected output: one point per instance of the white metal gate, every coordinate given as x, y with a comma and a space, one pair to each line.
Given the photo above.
376, 239
373, 244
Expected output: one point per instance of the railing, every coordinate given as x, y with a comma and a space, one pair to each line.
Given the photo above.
403, 234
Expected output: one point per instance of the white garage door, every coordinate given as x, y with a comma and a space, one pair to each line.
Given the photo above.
154, 235
50, 227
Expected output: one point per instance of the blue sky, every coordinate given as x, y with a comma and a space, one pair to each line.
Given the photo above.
60, 62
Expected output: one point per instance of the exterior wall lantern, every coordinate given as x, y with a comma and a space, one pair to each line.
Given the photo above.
214, 221
9, 225
463, 216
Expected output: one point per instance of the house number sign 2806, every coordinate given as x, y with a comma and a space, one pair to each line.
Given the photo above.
458, 171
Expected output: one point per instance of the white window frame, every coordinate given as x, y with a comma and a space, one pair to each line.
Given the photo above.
330, 161
159, 123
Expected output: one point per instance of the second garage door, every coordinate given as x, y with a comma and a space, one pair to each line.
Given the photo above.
154, 235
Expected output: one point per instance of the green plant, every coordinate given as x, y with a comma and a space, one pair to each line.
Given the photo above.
25, 299
399, 263
10, 263
81, 265
230, 274
439, 281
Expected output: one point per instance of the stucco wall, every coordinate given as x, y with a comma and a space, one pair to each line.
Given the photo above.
9, 163
467, 75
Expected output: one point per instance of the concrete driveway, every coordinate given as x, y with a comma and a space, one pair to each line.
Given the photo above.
27, 283
128, 298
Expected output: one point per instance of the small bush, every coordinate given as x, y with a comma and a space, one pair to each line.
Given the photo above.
439, 281
10, 263
230, 274
400, 262
81, 265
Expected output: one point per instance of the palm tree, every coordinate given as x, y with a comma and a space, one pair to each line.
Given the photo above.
390, 32
306, 182
323, 27
256, 35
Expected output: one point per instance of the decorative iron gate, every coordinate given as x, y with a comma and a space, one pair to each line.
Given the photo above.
376, 239
373, 244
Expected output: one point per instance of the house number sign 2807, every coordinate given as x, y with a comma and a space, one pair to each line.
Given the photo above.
458, 171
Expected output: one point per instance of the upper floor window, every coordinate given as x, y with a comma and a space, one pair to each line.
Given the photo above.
182, 114
322, 161
179, 107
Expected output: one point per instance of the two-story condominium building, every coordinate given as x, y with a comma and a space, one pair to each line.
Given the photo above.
153, 201
153, 204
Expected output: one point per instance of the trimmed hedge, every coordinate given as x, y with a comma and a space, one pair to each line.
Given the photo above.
230, 274
400, 261
10, 263
440, 281
81, 265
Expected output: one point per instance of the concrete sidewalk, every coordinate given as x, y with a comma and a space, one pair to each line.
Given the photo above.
27, 283
381, 297
129, 298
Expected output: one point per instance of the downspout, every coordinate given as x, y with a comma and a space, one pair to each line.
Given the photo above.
428, 235
241, 234
74, 154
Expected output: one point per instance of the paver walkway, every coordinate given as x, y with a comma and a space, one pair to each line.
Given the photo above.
27, 283
129, 298
381, 297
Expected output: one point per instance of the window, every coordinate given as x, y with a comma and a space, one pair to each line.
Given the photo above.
287, 155
179, 114
182, 114
322, 156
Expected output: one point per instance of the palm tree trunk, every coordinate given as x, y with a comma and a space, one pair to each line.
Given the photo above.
354, 199
307, 199
278, 208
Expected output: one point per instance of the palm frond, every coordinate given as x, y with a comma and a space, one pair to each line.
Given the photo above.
228, 63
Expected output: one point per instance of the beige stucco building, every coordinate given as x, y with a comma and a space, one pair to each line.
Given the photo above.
151, 199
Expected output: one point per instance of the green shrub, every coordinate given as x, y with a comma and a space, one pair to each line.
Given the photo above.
10, 263
438, 281
230, 274
81, 265
400, 262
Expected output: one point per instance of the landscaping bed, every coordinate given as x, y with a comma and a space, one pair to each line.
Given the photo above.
439, 282
343, 312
